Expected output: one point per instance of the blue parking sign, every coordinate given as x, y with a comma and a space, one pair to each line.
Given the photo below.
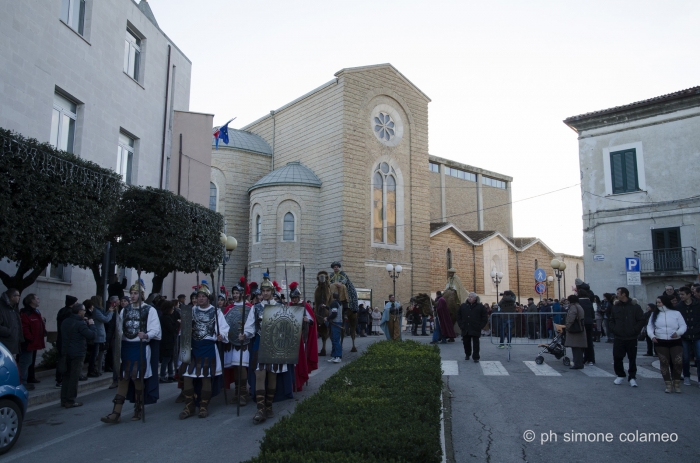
632, 264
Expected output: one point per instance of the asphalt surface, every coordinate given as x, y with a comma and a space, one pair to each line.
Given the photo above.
491, 413
55, 434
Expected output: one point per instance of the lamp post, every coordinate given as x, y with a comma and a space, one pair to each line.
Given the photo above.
394, 272
550, 279
496, 277
559, 268
230, 244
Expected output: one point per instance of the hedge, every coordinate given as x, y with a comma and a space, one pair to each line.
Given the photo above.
383, 407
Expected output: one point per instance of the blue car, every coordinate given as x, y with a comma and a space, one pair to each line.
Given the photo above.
13, 401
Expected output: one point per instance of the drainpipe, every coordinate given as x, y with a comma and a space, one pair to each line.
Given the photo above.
165, 118
517, 272
179, 178
272, 113
474, 263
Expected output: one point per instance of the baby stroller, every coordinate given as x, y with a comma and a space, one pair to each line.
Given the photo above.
555, 347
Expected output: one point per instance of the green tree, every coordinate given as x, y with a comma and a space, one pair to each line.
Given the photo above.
161, 232
54, 208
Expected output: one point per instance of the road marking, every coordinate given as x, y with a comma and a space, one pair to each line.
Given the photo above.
644, 373
541, 370
595, 372
449, 368
493, 369
36, 448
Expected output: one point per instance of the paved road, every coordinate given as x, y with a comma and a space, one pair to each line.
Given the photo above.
496, 401
54, 434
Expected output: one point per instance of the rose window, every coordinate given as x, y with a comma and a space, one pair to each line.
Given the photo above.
384, 126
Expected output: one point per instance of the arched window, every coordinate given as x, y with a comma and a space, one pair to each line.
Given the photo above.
258, 228
384, 204
212, 196
288, 229
449, 259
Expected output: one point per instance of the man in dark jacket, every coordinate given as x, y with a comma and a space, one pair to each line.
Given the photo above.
505, 322
626, 322
471, 318
585, 299
532, 319
75, 331
63, 314
689, 307
10, 322
116, 288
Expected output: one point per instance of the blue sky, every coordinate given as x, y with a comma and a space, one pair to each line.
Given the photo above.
502, 75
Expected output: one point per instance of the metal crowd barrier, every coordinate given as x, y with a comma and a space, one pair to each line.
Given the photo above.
524, 328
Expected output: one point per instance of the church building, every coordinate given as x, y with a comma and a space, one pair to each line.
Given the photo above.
343, 173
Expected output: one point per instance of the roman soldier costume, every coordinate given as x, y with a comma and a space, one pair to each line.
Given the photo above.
138, 337
308, 347
201, 367
236, 352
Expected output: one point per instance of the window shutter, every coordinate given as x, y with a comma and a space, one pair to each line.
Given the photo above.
618, 180
631, 171
674, 238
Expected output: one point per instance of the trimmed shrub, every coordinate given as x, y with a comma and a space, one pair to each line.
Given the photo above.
384, 406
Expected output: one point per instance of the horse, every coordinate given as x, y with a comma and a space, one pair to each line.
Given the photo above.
450, 296
322, 299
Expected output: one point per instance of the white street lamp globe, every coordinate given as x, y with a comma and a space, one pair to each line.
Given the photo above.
493, 274
500, 275
562, 266
389, 268
231, 243
222, 238
550, 278
399, 269
555, 264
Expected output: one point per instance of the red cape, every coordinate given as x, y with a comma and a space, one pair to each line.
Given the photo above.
446, 325
308, 356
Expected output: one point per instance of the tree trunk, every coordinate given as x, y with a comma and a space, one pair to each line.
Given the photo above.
96, 268
158, 282
21, 280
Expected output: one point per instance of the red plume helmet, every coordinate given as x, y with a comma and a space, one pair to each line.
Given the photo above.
293, 285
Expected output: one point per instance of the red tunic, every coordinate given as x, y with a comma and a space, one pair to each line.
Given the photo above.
446, 325
308, 355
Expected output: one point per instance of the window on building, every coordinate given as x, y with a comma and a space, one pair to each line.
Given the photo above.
384, 204
458, 173
434, 167
212, 196
623, 169
258, 228
493, 182
668, 254
73, 14
58, 272
288, 227
63, 123
449, 258
132, 55
125, 157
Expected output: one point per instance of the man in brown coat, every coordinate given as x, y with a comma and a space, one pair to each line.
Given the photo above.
577, 341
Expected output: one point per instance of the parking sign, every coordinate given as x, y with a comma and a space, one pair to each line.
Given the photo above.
632, 264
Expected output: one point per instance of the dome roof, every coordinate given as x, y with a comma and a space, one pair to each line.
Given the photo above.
244, 141
294, 173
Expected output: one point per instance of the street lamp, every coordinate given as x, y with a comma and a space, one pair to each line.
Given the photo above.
230, 244
559, 268
394, 272
496, 277
550, 279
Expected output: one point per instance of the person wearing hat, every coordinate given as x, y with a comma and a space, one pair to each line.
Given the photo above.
236, 353
139, 325
265, 380
453, 282
64, 313
199, 374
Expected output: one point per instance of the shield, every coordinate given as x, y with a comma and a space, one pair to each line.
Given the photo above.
280, 334
236, 321
186, 335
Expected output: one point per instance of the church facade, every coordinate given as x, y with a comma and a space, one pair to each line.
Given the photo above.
343, 174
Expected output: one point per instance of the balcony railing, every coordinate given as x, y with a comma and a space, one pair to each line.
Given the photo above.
678, 260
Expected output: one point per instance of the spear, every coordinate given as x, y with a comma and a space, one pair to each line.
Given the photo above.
240, 360
142, 370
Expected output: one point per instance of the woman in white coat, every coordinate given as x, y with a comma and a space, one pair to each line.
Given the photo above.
665, 328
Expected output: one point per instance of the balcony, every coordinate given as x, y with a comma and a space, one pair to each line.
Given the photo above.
672, 261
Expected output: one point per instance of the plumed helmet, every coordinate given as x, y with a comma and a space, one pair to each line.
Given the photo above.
204, 288
266, 283
254, 289
294, 290
138, 286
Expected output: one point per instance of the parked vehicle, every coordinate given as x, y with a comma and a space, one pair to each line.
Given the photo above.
13, 401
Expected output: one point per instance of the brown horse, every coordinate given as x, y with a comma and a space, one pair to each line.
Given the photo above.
322, 299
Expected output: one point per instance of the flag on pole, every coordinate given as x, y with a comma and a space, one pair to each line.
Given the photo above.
222, 133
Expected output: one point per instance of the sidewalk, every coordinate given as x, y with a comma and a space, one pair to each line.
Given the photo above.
46, 391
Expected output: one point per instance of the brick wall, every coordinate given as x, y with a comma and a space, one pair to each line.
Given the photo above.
496, 211
460, 201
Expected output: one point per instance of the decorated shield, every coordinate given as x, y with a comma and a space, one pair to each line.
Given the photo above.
236, 321
280, 334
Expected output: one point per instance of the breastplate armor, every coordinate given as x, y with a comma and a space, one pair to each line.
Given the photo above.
203, 323
135, 320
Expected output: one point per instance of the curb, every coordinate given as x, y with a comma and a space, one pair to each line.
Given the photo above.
448, 451
44, 395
